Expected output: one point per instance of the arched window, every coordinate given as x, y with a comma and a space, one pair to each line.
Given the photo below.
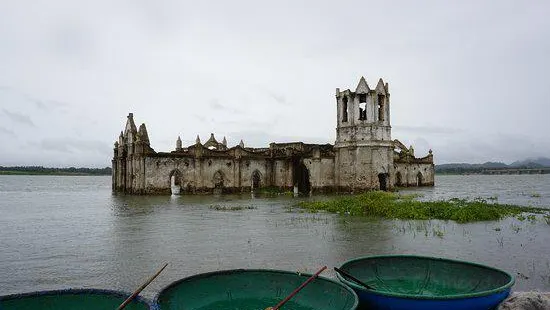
345, 109
362, 107
398, 179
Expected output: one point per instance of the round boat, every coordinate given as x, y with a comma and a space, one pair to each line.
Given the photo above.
400, 282
72, 299
250, 289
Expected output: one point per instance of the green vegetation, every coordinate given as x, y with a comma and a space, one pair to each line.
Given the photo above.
39, 170
231, 208
395, 206
274, 191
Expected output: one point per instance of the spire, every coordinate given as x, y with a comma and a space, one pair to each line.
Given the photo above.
178, 144
362, 87
130, 125
143, 135
241, 144
198, 140
380, 87
224, 142
212, 139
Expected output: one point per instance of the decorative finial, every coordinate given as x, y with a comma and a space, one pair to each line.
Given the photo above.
430, 152
198, 141
224, 141
178, 144
241, 144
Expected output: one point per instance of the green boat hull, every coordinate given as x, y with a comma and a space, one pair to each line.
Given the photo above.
254, 290
408, 282
73, 299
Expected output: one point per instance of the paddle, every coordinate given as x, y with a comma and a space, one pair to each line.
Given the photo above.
347, 275
280, 304
129, 299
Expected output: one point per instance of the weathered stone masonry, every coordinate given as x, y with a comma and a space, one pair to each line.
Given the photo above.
363, 158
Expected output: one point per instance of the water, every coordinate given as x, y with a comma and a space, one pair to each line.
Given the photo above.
59, 232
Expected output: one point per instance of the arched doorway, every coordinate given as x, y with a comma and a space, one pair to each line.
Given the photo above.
398, 179
256, 179
301, 177
383, 180
218, 180
419, 179
175, 182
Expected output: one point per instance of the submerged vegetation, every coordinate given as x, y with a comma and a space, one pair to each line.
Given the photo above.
231, 208
395, 206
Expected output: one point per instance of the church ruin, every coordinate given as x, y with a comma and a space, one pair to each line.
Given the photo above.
364, 157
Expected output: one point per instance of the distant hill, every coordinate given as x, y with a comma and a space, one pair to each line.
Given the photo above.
540, 162
464, 168
39, 170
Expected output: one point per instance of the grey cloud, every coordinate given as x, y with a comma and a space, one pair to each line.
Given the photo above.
6, 132
19, 118
74, 146
280, 99
427, 129
41, 104
215, 105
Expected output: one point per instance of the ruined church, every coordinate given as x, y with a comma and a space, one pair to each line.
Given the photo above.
364, 157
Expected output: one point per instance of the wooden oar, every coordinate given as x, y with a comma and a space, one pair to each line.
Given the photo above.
354, 279
129, 299
280, 304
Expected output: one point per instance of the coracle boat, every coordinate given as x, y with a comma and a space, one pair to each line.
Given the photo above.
399, 282
72, 299
254, 289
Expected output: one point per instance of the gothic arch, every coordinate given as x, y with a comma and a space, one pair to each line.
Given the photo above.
256, 179
177, 177
301, 176
398, 179
218, 179
419, 179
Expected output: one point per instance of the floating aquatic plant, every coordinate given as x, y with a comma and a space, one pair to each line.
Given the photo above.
395, 206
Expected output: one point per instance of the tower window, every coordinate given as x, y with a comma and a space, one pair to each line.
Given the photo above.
380, 107
362, 107
345, 109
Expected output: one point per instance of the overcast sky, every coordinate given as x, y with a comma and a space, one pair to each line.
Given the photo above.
468, 79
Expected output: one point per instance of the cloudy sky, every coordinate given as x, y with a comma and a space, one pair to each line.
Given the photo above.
468, 79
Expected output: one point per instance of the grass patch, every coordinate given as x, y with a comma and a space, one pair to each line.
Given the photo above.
274, 191
395, 206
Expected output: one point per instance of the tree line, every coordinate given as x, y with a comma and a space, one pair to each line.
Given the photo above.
54, 171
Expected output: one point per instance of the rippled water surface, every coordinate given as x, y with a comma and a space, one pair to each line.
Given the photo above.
59, 232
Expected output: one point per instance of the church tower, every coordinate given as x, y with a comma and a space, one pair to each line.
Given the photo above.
364, 152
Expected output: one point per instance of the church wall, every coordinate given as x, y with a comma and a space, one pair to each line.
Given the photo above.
409, 174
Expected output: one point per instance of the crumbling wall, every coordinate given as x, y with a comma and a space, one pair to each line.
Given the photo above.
413, 174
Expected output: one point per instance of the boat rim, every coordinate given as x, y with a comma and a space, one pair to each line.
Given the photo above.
499, 289
76, 291
156, 300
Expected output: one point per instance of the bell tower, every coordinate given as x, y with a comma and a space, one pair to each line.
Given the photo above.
364, 153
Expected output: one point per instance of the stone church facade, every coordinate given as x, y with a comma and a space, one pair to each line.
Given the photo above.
364, 157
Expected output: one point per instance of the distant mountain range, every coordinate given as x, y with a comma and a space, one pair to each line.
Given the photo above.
529, 163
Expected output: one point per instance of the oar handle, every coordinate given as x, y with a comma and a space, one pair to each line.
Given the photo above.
129, 299
354, 279
280, 304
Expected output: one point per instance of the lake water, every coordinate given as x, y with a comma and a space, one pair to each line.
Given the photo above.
59, 232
